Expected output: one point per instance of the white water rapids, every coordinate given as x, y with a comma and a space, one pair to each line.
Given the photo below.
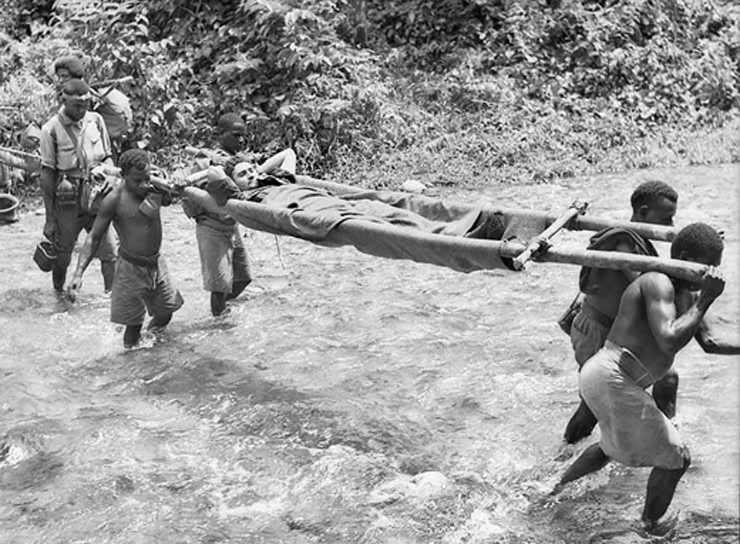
346, 399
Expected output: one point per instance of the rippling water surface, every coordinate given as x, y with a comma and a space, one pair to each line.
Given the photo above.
345, 399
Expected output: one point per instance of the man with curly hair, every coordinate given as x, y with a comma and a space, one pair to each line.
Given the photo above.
657, 317
652, 202
142, 283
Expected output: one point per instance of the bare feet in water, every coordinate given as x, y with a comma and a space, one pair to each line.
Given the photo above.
661, 527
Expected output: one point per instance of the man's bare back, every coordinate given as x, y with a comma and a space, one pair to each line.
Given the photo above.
657, 317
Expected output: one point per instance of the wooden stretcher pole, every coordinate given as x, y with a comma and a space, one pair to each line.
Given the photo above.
20, 159
11, 159
542, 241
191, 150
676, 268
109, 85
579, 222
109, 82
474, 254
178, 184
21, 154
196, 177
647, 230
332, 187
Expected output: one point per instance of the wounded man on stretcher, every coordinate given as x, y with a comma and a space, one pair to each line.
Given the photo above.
280, 190
460, 236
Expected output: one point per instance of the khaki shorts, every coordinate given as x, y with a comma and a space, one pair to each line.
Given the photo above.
634, 431
223, 258
587, 336
138, 289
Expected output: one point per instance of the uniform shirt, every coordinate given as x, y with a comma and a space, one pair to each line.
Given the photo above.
58, 150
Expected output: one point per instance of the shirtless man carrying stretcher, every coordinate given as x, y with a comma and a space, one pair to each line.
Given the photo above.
657, 317
652, 202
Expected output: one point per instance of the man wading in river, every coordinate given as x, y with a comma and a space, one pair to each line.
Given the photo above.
74, 148
657, 317
224, 261
141, 282
652, 202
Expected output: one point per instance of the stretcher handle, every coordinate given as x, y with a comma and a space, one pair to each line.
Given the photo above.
196, 177
179, 183
615, 260
22, 154
20, 159
115, 81
156, 178
542, 241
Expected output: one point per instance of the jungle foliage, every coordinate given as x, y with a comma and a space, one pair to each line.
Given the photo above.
506, 90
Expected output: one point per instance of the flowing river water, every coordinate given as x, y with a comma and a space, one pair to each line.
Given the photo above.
345, 399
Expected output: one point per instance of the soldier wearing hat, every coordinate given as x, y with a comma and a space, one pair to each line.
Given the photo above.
75, 148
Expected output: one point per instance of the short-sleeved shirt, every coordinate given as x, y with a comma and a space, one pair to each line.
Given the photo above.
58, 150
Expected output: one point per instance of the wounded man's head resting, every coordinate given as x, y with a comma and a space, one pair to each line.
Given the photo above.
245, 175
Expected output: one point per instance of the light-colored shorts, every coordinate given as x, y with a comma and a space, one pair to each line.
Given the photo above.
138, 289
223, 257
588, 334
634, 431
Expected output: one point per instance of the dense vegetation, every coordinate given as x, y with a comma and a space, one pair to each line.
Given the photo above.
369, 91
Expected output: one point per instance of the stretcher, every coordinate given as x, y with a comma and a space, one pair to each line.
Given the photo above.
528, 235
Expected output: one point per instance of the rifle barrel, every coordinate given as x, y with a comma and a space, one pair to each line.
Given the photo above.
116, 81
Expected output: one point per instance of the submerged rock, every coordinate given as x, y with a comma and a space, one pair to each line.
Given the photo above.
417, 489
